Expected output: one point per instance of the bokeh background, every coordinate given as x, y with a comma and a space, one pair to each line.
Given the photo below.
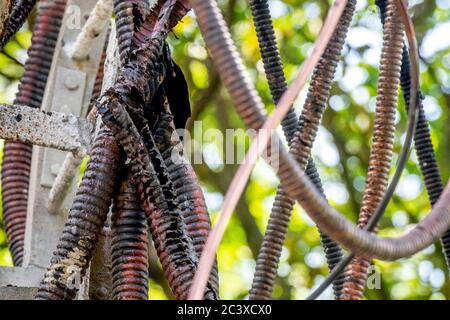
341, 150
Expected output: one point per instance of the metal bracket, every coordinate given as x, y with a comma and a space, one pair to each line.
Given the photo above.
55, 130
69, 89
60, 126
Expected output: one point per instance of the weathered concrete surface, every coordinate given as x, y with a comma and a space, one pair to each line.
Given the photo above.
15, 293
47, 129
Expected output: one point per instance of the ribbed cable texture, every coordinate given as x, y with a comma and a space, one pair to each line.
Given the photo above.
227, 61
189, 194
99, 78
137, 86
249, 105
129, 17
85, 222
333, 252
173, 245
382, 142
129, 246
272, 60
302, 141
171, 201
152, 53
129, 278
18, 16
422, 139
17, 156
164, 204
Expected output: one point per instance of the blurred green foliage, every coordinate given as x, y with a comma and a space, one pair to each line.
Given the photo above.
341, 150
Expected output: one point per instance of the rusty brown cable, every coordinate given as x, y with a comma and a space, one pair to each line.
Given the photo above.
413, 118
129, 16
105, 150
17, 156
249, 106
18, 16
129, 247
355, 239
85, 222
73, 256
217, 38
166, 183
422, 140
267, 263
135, 109
98, 84
168, 193
192, 204
417, 129
382, 141
130, 239
173, 245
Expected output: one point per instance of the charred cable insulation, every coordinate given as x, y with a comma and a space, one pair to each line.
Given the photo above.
189, 193
18, 16
99, 78
85, 222
154, 72
86, 218
130, 238
129, 17
171, 206
174, 246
